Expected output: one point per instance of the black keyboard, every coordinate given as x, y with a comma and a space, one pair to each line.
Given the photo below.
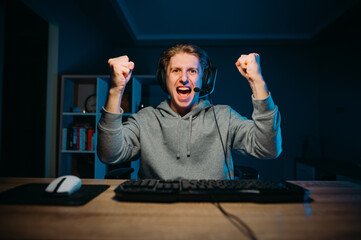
151, 190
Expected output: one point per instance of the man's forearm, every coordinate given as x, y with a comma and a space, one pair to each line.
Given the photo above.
114, 101
259, 90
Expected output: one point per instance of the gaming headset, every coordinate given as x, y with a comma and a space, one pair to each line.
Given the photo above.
208, 79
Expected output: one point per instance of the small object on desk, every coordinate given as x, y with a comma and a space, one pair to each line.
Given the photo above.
65, 185
35, 194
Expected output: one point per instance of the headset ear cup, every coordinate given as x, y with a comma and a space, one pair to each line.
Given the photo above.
208, 81
205, 81
160, 76
164, 81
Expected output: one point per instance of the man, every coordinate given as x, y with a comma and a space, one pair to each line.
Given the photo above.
181, 138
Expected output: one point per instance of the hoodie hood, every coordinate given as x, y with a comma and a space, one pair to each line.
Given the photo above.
166, 111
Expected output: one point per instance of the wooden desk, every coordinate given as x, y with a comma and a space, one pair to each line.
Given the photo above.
334, 214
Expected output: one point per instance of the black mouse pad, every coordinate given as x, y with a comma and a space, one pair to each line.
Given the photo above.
34, 193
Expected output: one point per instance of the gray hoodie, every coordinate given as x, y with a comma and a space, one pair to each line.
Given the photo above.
172, 147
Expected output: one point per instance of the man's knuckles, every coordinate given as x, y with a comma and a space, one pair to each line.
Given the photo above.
123, 58
119, 60
121, 70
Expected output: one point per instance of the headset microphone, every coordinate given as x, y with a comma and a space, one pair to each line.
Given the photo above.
197, 89
206, 92
208, 88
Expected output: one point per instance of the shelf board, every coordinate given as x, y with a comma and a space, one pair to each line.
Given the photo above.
78, 114
76, 151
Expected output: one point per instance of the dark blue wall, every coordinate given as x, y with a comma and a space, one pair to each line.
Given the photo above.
2, 30
83, 48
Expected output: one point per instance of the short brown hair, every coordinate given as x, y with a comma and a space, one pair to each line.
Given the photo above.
185, 48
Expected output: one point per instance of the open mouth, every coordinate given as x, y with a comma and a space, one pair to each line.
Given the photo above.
184, 90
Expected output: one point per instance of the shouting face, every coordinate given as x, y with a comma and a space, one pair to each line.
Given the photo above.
184, 73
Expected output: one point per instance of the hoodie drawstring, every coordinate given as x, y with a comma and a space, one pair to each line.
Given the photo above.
189, 136
178, 141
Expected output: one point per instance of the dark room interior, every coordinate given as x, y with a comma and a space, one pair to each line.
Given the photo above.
84, 154
309, 54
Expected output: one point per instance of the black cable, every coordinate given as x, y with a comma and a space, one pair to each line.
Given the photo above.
220, 136
236, 221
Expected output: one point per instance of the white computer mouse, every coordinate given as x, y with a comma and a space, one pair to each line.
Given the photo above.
65, 185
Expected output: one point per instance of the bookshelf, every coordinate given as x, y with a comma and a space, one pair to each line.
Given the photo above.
81, 100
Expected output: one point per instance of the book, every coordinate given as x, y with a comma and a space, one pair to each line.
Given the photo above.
90, 134
82, 138
70, 139
78, 137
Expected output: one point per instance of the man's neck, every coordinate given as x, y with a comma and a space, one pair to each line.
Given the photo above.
182, 111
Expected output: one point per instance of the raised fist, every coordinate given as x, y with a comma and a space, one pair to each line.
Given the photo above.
121, 71
250, 67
